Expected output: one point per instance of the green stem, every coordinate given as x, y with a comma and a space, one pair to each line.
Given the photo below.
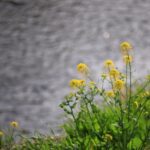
130, 68
127, 81
88, 110
130, 90
72, 113
138, 117
111, 81
122, 125
145, 139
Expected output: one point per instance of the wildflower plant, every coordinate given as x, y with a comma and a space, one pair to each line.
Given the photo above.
113, 114
7, 137
121, 119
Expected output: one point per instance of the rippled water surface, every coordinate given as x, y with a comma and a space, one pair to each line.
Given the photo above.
41, 42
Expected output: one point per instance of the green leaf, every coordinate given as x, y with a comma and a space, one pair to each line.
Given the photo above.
135, 143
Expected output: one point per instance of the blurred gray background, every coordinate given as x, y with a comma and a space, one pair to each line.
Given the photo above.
42, 41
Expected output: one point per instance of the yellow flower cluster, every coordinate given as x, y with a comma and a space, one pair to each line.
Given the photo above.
115, 76
82, 68
1, 133
114, 73
14, 124
125, 47
119, 84
76, 83
109, 63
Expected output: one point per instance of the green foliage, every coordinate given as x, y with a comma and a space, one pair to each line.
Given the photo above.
112, 126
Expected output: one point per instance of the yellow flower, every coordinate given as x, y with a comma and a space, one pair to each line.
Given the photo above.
82, 68
136, 104
119, 84
114, 73
127, 59
14, 124
108, 137
1, 133
110, 93
108, 63
75, 83
125, 47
